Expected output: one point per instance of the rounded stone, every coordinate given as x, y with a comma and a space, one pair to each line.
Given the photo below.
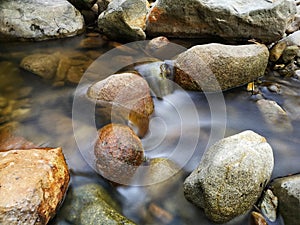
231, 176
118, 153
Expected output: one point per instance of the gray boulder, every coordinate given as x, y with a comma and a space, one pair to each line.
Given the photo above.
231, 176
124, 20
39, 20
287, 189
264, 20
215, 67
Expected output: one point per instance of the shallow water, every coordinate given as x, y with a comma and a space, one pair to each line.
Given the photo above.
183, 126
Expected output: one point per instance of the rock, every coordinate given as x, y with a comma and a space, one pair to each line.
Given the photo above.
290, 53
287, 189
14, 80
127, 95
39, 20
258, 219
275, 117
118, 153
268, 205
293, 39
234, 20
83, 4
216, 67
231, 176
124, 20
33, 184
91, 204
277, 50
92, 42
43, 65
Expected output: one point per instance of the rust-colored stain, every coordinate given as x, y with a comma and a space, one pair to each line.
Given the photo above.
155, 14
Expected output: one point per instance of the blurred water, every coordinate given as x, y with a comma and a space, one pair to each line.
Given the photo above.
190, 120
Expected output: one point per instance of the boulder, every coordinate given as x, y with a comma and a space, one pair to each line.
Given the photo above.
216, 67
124, 20
39, 20
287, 189
231, 176
235, 20
33, 185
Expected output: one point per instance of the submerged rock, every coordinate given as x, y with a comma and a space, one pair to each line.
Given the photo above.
216, 67
287, 189
231, 176
276, 118
124, 20
91, 204
118, 153
39, 20
33, 185
234, 20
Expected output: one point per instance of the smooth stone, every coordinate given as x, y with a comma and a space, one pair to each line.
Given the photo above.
287, 189
124, 20
33, 185
92, 204
277, 50
275, 117
231, 176
43, 65
39, 20
234, 20
293, 39
218, 67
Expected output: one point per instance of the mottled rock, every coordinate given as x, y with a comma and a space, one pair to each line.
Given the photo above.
234, 20
277, 50
274, 116
124, 20
216, 67
287, 189
290, 53
33, 184
39, 20
268, 205
43, 65
231, 176
118, 153
91, 204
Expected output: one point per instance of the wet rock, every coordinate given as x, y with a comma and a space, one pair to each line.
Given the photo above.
277, 50
91, 204
295, 25
43, 65
102, 5
83, 4
274, 116
14, 80
234, 20
124, 20
33, 184
127, 95
258, 219
118, 153
231, 176
268, 205
290, 53
31, 20
287, 189
92, 42
216, 67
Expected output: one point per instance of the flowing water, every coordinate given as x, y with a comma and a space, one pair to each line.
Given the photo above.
183, 126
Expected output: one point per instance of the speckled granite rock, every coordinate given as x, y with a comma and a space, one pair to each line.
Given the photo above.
33, 185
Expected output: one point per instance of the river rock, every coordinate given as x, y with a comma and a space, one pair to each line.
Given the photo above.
43, 65
216, 67
91, 204
231, 176
39, 20
124, 20
234, 20
275, 117
118, 153
33, 185
287, 189
293, 39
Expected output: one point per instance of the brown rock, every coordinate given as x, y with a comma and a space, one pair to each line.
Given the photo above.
118, 153
33, 184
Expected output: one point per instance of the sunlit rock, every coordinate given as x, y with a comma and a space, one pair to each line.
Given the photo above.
33, 185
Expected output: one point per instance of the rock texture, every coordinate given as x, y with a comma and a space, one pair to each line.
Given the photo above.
91, 204
287, 189
33, 184
231, 176
39, 20
234, 20
124, 20
118, 153
216, 67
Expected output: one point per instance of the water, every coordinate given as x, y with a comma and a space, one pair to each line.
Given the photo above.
183, 126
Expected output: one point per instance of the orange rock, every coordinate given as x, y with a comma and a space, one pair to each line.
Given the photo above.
33, 183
